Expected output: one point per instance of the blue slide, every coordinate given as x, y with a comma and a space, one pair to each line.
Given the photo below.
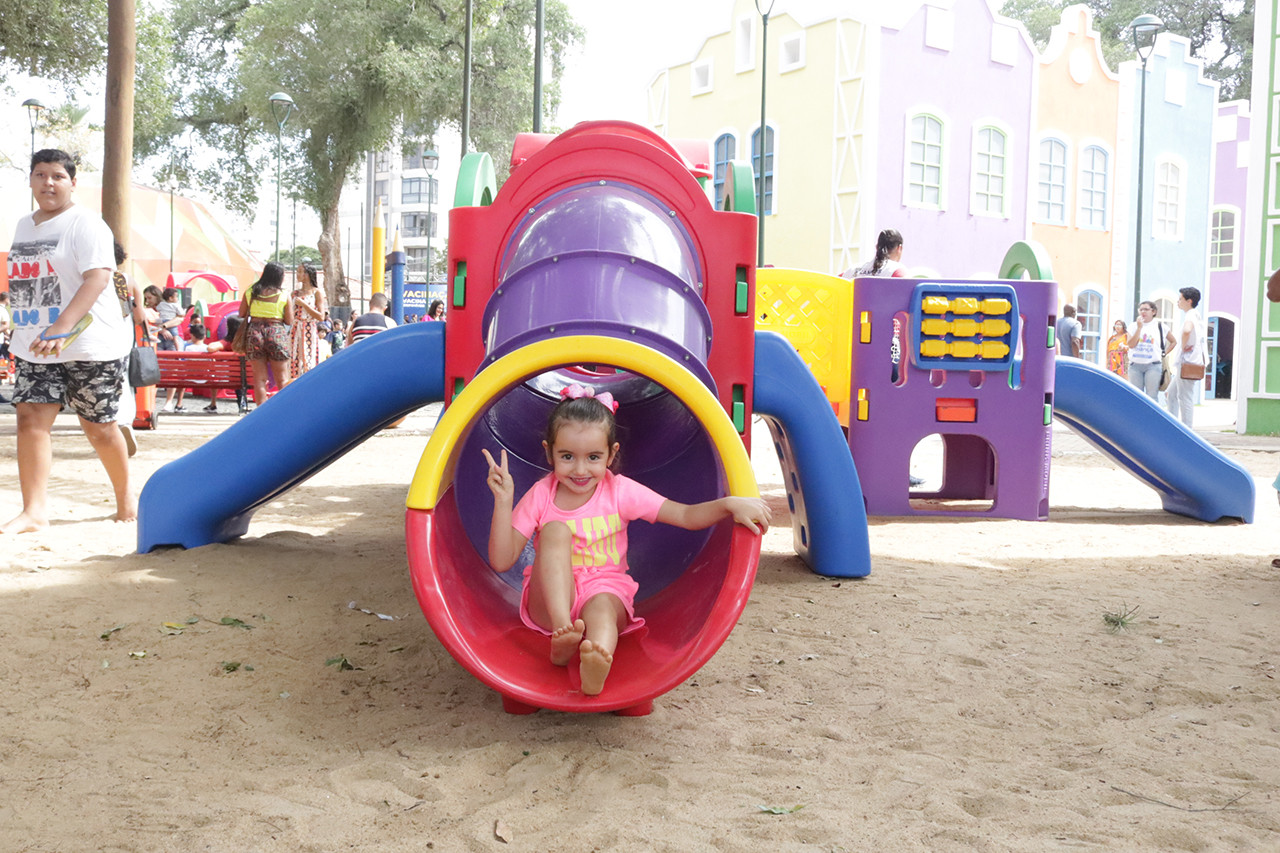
829, 517
1192, 477
210, 494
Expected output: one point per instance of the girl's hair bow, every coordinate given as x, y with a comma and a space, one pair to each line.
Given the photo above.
575, 391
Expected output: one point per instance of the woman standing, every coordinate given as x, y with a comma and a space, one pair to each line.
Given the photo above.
1118, 349
308, 310
269, 314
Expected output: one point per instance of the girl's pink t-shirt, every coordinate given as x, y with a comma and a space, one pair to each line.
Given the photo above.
599, 526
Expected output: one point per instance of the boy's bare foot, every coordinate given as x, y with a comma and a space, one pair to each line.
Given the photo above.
564, 642
594, 667
24, 523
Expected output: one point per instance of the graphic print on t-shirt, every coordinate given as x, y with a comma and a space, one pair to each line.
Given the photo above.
35, 294
595, 540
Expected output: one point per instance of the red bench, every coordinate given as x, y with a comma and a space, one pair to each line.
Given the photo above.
197, 370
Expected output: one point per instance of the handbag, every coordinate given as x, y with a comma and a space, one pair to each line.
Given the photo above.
144, 367
1166, 360
240, 343
1192, 371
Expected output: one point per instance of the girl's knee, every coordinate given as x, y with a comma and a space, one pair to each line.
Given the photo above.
555, 533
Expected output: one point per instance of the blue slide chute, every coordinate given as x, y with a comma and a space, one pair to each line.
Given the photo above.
830, 531
1192, 477
210, 494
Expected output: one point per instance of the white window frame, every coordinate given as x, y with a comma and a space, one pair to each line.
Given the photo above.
1041, 184
719, 180
702, 77
1006, 158
907, 161
772, 192
1214, 239
798, 40
1085, 188
744, 44
1160, 221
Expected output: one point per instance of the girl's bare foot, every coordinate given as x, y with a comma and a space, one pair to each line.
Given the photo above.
127, 510
24, 522
594, 667
564, 642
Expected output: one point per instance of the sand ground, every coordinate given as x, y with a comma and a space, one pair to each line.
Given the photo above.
966, 696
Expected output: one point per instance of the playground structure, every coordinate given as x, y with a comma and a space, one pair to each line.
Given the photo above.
601, 260
988, 391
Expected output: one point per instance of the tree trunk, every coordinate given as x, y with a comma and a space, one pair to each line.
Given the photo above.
335, 282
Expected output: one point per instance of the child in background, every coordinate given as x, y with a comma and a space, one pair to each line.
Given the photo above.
578, 590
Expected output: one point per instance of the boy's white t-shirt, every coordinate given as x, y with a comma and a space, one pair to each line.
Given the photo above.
47, 263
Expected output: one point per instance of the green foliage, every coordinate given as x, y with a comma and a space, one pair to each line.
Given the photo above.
360, 71
297, 255
1220, 31
65, 40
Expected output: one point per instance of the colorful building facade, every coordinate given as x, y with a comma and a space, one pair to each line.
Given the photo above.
1259, 353
940, 119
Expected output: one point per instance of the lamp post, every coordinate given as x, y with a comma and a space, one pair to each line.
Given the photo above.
763, 132
430, 160
1145, 28
281, 108
172, 181
34, 106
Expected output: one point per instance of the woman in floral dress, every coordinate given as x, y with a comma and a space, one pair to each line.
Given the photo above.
308, 309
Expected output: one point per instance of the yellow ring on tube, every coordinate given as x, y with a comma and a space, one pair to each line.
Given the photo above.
436, 466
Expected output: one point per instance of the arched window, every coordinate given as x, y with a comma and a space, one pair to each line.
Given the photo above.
1051, 200
1089, 313
726, 150
765, 172
1224, 241
1167, 223
924, 162
990, 166
1094, 165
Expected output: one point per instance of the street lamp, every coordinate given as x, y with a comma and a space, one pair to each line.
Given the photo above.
1145, 28
281, 108
34, 106
430, 160
763, 132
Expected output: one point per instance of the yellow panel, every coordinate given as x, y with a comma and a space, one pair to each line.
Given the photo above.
813, 311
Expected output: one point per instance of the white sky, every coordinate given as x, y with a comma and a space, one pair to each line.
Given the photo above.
626, 44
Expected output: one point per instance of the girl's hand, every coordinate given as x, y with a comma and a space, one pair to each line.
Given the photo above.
752, 513
499, 478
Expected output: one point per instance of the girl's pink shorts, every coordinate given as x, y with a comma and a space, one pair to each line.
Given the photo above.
588, 583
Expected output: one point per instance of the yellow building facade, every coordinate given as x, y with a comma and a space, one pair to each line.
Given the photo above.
1073, 188
817, 99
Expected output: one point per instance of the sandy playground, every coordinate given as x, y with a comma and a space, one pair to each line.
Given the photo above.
966, 696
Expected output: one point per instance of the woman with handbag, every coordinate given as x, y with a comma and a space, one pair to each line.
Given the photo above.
1189, 363
135, 395
269, 313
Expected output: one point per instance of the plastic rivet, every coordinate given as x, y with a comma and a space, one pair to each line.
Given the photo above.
532, 209
551, 328
603, 183
555, 259
633, 331
671, 213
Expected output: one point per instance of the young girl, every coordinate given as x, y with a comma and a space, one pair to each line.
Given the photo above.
578, 590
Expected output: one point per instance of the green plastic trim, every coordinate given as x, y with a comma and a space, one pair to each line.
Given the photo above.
477, 181
741, 296
740, 408
740, 188
1027, 256
460, 285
